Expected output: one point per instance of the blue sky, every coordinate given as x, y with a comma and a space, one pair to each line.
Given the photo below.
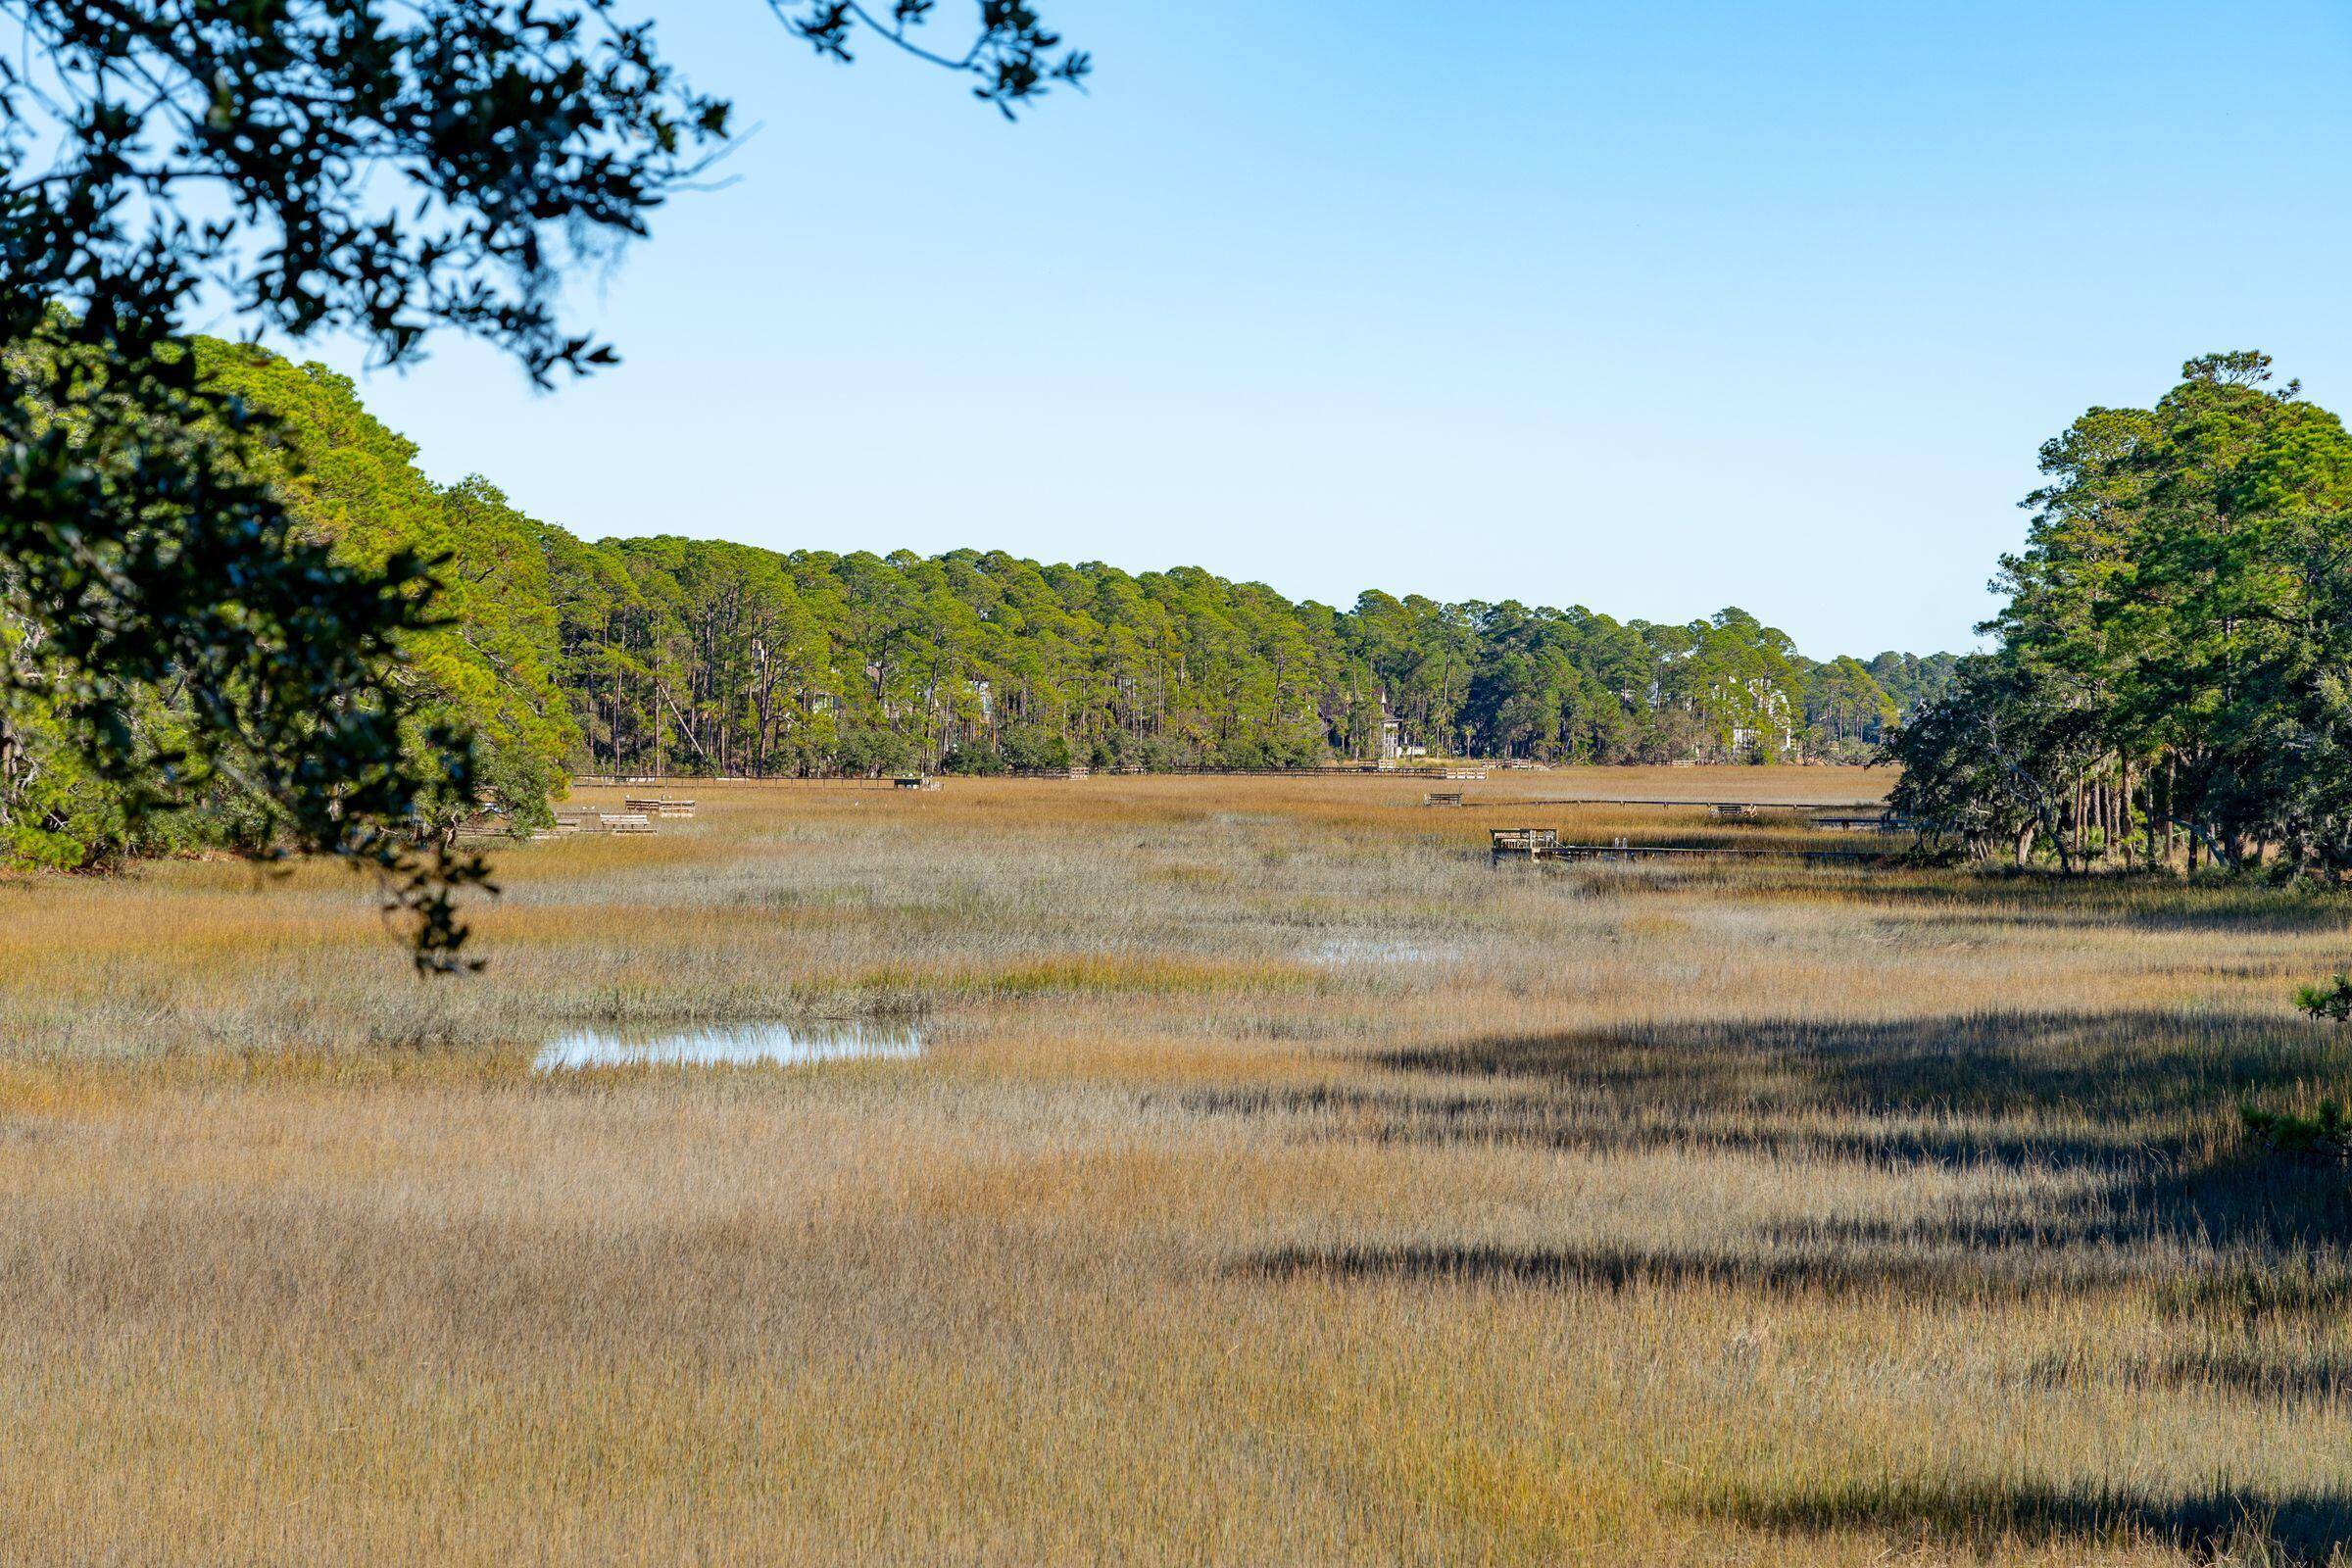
1648, 307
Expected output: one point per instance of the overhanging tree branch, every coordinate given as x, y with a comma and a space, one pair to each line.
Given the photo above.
1016, 58
394, 169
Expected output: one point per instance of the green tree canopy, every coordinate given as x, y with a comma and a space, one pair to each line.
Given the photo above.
390, 170
2175, 644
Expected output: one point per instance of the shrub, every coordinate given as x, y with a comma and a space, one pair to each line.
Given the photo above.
2332, 1000
870, 750
972, 759
2325, 1134
1030, 747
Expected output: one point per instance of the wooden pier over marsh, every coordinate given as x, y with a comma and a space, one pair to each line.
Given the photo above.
1536, 844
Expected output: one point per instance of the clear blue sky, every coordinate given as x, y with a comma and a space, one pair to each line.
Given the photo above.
1648, 307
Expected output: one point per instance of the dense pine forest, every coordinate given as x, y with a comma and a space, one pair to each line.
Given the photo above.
677, 655
2173, 681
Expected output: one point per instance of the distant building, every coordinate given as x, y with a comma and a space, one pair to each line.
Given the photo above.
1391, 731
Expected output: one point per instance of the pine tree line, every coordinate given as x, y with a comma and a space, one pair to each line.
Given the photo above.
677, 655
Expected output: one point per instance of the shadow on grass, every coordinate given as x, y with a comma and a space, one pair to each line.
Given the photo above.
2132, 901
1613, 1268
2244, 1201
2323, 1377
2307, 1527
2143, 1102
2132, 1115
1945, 1276
2101, 1068
1545, 1121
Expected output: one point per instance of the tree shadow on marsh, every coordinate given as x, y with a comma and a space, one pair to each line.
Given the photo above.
2148, 1072
2322, 1376
2244, 1203
2126, 902
2143, 1102
2306, 1526
2245, 1285
1536, 1120
2105, 1092
2132, 1116
1616, 1268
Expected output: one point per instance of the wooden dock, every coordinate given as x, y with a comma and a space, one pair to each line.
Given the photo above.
1719, 807
1884, 822
1672, 852
1536, 844
1531, 843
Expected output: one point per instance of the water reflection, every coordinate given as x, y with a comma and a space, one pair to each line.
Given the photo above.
734, 1046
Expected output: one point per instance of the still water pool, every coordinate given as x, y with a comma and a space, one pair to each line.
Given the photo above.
733, 1046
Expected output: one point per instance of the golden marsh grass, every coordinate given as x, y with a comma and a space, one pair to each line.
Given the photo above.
1280, 1185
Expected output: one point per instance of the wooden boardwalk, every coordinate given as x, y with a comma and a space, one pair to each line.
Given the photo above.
1543, 844
1720, 807
1669, 851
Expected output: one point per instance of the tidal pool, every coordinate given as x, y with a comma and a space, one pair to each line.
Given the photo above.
734, 1046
